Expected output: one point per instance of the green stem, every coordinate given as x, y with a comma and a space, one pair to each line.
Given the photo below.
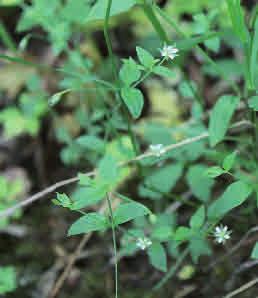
114, 244
172, 270
148, 73
6, 38
108, 41
114, 70
201, 51
148, 10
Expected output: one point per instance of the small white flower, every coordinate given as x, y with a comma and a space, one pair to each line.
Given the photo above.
169, 52
143, 243
221, 234
157, 149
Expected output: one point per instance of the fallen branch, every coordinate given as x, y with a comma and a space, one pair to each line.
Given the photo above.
59, 184
242, 288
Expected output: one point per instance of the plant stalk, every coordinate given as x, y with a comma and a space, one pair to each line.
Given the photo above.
114, 243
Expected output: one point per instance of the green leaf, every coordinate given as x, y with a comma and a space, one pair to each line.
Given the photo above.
84, 179
87, 196
98, 11
228, 161
75, 11
235, 194
54, 99
162, 233
134, 101
62, 200
253, 102
182, 234
157, 256
91, 143
200, 184
197, 219
254, 254
164, 179
214, 172
213, 44
129, 72
89, 223
237, 19
164, 72
198, 246
129, 211
220, 117
7, 279
145, 57
108, 170
188, 89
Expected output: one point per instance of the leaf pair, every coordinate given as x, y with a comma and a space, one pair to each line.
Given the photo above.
99, 222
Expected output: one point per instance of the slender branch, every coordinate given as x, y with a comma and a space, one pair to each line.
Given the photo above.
234, 248
59, 184
71, 260
242, 288
58, 285
39, 195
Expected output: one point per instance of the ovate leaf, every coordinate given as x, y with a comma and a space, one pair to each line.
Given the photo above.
198, 246
91, 142
220, 117
108, 170
129, 72
228, 161
182, 234
129, 211
89, 223
157, 256
199, 183
235, 194
145, 57
164, 179
214, 172
133, 99
164, 72
197, 219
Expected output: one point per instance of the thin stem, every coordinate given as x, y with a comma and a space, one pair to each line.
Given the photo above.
114, 70
148, 10
108, 41
148, 73
172, 270
114, 244
6, 38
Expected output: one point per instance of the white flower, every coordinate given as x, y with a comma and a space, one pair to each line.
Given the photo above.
143, 243
169, 52
221, 234
157, 149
